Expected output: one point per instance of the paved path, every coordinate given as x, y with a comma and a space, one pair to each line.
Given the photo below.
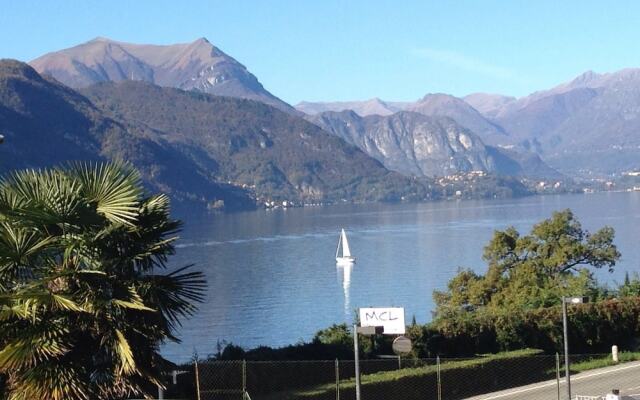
598, 382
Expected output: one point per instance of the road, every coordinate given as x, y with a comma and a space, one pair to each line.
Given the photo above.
598, 382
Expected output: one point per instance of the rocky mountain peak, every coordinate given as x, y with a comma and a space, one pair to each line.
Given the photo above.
197, 65
585, 78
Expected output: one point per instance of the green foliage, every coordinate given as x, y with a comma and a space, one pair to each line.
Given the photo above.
594, 328
338, 335
327, 344
84, 306
532, 271
630, 287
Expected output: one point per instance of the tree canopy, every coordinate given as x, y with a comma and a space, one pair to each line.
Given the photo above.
85, 298
525, 272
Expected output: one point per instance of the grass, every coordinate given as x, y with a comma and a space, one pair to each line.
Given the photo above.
515, 368
419, 375
604, 361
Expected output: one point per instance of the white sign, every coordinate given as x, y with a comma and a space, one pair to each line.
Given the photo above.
391, 318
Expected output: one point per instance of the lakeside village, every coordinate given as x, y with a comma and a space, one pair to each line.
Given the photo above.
478, 184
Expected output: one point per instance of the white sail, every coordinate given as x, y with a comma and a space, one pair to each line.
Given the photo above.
343, 245
346, 252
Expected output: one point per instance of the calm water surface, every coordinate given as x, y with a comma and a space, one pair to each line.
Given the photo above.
272, 275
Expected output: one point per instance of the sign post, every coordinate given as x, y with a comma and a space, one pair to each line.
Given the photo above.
356, 352
392, 319
375, 321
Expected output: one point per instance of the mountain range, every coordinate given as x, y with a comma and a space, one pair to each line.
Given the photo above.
590, 125
192, 145
46, 123
201, 127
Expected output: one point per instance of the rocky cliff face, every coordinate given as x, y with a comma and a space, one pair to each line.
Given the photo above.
411, 143
432, 105
198, 65
444, 105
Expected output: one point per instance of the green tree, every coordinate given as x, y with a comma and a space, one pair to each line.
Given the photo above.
526, 272
84, 301
630, 287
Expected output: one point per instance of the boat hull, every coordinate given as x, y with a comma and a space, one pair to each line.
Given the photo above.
345, 260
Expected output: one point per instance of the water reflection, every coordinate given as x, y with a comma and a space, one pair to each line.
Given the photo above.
344, 272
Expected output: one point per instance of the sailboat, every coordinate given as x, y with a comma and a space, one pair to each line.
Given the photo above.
346, 258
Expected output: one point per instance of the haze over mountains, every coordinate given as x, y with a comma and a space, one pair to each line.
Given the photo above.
201, 127
590, 125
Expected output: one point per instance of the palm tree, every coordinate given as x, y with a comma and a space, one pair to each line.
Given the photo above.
85, 298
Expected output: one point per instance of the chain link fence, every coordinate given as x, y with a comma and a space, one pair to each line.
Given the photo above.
528, 377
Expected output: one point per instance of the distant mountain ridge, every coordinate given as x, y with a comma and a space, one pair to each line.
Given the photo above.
373, 106
589, 125
416, 144
433, 105
198, 65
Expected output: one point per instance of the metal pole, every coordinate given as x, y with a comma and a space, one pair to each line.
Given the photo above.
566, 347
558, 373
399, 362
197, 381
337, 380
357, 360
439, 377
160, 393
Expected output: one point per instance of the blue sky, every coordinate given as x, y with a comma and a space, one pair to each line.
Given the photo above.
344, 50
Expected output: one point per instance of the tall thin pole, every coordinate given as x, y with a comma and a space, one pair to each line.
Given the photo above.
566, 347
356, 359
244, 377
558, 373
197, 380
439, 377
337, 379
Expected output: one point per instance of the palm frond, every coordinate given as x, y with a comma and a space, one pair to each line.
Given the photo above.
134, 302
115, 188
174, 294
127, 362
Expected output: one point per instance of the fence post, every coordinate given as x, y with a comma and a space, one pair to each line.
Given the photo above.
558, 373
197, 380
337, 380
244, 378
439, 378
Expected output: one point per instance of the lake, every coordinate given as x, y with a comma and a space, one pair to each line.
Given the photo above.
273, 280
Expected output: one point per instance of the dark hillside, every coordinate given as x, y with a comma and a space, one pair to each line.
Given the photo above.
277, 155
